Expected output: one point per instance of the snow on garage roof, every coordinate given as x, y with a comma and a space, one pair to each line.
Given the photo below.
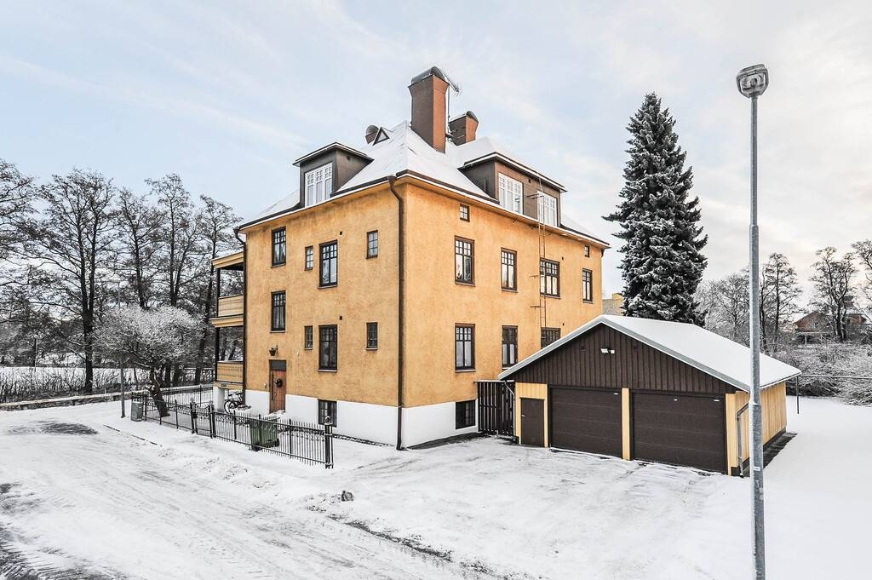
702, 349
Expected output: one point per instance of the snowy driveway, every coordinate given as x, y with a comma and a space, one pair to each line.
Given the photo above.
79, 499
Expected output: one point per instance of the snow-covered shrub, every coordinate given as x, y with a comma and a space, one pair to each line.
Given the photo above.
825, 368
150, 338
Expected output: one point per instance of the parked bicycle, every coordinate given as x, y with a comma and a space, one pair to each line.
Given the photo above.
234, 401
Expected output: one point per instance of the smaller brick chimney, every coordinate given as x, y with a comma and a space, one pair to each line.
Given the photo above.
463, 128
428, 91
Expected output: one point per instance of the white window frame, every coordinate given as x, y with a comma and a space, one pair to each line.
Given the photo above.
319, 184
511, 194
547, 208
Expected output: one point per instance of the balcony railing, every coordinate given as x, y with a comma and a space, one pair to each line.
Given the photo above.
230, 306
229, 371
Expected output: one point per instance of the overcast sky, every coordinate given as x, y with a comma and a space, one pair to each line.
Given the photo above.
228, 94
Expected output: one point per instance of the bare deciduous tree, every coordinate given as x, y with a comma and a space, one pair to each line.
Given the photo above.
864, 254
179, 236
725, 303
138, 225
16, 194
70, 240
779, 292
217, 222
833, 282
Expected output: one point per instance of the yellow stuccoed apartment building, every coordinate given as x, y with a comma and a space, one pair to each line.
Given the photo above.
401, 272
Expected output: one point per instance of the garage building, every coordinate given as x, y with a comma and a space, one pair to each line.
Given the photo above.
649, 390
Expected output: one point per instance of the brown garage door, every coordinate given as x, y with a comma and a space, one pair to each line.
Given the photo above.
586, 420
680, 429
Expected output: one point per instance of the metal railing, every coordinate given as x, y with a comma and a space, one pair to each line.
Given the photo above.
309, 443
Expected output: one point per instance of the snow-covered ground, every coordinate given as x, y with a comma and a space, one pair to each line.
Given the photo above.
134, 500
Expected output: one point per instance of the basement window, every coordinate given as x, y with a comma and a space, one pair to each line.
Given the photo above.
326, 412
464, 414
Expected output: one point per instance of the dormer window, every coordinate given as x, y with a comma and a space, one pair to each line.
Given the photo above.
547, 209
319, 184
511, 194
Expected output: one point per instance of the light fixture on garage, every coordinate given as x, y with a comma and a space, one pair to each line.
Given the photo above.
607, 350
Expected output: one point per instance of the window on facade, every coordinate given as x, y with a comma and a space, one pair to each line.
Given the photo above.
308, 337
464, 212
464, 347
372, 244
464, 414
328, 346
549, 278
549, 335
372, 335
326, 412
279, 247
510, 346
587, 285
319, 184
547, 205
508, 273
587, 251
511, 194
329, 263
310, 257
463, 261
277, 320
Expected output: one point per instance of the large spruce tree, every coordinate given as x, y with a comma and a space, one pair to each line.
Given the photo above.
662, 264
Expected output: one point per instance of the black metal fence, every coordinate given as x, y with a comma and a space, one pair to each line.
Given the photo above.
309, 443
496, 407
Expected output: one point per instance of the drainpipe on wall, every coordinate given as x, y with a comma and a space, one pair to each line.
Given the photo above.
401, 282
244, 309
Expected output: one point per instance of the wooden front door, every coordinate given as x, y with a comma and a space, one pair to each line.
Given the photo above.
278, 385
533, 422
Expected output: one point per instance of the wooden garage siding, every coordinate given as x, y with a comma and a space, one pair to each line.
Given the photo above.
634, 365
530, 391
774, 403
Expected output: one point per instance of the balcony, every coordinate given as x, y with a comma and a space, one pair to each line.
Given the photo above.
229, 372
230, 306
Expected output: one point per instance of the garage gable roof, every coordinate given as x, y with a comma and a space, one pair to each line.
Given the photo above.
702, 349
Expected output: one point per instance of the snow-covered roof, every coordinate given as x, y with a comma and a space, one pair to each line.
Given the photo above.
405, 152
702, 349
485, 148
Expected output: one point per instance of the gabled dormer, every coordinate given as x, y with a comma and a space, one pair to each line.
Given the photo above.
324, 171
516, 186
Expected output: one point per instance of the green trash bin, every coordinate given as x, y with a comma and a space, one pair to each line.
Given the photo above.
136, 410
264, 431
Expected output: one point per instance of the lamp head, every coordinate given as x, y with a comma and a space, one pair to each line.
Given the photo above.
753, 80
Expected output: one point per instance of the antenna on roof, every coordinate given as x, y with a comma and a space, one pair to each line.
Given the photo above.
453, 86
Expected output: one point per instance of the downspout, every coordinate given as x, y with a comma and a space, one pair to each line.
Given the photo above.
244, 310
401, 282
739, 441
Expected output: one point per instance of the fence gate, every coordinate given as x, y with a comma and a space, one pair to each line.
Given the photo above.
496, 407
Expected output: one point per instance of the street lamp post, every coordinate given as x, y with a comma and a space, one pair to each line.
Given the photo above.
752, 82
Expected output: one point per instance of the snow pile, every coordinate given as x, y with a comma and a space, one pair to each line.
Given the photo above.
151, 502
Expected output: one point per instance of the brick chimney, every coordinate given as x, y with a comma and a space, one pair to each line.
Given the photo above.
428, 91
463, 128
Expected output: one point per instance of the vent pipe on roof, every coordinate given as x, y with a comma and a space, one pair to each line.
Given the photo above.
463, 128
371, 133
